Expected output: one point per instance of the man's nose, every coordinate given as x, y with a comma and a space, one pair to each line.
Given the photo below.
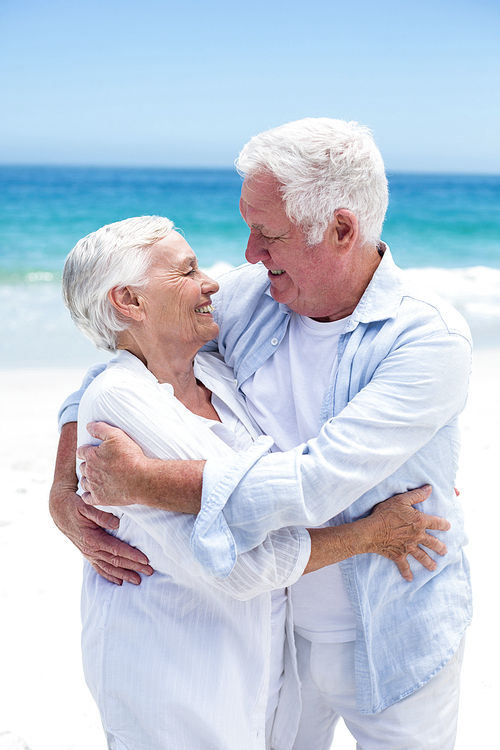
256, 250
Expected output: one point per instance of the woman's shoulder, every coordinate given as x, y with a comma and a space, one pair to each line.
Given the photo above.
125, 373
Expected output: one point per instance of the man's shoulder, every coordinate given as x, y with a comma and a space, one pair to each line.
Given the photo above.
250, 279
431, 310
242, 290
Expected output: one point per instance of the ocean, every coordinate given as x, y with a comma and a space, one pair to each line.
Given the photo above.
444, 229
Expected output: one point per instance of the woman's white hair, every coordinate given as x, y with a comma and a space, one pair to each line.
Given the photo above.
322, 165
117, 255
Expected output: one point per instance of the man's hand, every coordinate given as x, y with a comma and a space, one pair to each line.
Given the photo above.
117, 472
114, 472
85, 526
399, 529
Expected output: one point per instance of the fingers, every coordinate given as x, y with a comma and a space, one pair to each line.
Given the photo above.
100, 517
424, 559
435, 523
123, 571
117, 575
404, 568
412, 497
434, 544
99, 546
89, 500
106, 575
121, 554
102, 431
83, 451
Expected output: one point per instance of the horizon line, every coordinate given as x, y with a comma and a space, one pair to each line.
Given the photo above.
68, 165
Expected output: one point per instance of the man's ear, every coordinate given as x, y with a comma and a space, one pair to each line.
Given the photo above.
344, 230
126, 300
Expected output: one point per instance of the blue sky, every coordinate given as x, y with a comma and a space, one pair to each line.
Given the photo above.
187, 83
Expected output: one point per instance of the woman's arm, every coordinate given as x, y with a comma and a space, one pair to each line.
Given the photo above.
394, 530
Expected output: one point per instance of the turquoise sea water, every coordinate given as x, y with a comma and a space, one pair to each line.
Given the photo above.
445, 228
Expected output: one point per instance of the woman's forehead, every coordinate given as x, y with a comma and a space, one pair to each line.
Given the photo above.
173, 249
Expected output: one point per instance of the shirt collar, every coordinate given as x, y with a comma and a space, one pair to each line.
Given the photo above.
133, 363
382, 296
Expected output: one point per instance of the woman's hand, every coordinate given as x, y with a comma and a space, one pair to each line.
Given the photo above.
398, 530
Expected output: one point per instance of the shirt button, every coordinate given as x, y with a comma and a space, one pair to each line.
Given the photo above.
274, 342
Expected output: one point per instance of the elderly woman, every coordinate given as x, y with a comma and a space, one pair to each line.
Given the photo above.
187, 660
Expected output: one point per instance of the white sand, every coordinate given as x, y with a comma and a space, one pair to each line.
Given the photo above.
43, 698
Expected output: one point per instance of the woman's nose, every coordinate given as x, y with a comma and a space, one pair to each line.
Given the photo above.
209, 286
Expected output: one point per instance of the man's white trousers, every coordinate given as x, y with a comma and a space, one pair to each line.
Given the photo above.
425, 720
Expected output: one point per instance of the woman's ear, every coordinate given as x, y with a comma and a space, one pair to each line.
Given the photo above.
126, 300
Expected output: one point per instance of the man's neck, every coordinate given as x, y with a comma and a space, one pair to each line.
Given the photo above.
353, 282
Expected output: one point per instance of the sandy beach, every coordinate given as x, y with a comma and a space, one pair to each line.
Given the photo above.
44, 703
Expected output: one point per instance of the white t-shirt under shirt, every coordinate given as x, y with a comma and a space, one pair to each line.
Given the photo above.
284, 396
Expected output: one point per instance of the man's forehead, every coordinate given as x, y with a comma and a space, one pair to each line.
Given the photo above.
261, 188
261, 201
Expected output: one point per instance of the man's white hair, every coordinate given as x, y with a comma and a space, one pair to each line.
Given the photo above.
322, 165
117, 255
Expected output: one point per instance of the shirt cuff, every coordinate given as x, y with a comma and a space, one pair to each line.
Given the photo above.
303, 555
69, 409
212, 542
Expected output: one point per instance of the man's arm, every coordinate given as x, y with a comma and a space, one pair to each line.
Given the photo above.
117, 472
387, 422
394, 529
85, 526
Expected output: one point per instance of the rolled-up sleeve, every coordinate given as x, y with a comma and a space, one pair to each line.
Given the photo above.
275, 563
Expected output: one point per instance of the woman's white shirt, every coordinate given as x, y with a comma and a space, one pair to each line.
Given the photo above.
184, 658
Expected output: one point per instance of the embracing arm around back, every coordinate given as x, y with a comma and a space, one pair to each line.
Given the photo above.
394, 529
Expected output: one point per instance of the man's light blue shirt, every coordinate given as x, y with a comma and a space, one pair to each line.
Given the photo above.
388, 424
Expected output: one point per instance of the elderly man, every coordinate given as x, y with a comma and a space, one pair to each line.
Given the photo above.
337, 354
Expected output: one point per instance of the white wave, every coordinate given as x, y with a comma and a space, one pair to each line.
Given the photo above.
37, 329
476, 289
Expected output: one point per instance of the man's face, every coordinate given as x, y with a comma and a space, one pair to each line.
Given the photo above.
302, 277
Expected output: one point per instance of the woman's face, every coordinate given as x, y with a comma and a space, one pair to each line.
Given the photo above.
176, 301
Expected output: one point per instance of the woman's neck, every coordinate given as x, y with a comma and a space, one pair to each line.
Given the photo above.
175, 368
